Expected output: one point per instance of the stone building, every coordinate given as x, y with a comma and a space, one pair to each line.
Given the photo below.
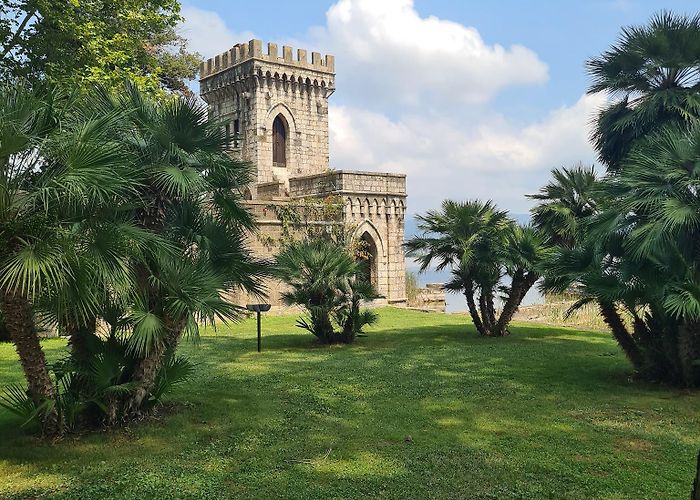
275, 107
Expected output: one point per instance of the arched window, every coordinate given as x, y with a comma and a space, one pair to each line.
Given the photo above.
279, 141
367, 258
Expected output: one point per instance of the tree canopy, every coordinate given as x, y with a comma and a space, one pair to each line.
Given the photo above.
84, 42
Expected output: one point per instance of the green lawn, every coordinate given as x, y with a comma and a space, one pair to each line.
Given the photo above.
419, 408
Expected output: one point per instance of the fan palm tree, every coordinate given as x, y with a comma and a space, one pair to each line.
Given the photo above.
480, 245
567, 206
319, 274
655, 203
190, 197
51, 177
653, 74
564, 204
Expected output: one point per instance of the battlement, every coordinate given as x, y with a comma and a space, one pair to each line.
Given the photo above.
253, 49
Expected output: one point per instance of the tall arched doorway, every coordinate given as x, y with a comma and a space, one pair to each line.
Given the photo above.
367, 258
279, 141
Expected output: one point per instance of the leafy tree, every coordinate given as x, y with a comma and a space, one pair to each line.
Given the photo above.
645, 228
481, 246
127, 214
566, 205
655, 203
96, 41
321, 275
653, 72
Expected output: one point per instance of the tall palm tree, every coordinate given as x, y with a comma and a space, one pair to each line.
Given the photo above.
480, 245
653, 75
51, 176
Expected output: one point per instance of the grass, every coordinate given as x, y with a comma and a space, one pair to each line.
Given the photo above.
419, 408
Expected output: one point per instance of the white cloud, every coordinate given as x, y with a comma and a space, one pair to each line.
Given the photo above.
491, 159
387, 53
207, 32
414, 97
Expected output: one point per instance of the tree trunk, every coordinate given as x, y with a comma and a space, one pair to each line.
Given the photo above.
689, 352
612, 318
147, 368
81, 338
695, 495
520, 286
19, 320
473, 312
486, 316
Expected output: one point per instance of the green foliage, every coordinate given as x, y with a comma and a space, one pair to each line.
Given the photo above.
564, 204
322, 276
481, 246
644, 226
129, 212
652, 72
87, 42
18, 400
88, 389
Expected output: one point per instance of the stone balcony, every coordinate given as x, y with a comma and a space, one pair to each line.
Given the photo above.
348, 182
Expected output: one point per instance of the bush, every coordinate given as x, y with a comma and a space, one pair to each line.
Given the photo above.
325, 280
89, 390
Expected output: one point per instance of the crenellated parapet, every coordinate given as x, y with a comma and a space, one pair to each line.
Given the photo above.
247, 66
253, 49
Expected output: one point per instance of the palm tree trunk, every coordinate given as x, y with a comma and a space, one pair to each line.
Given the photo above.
473, 312
695, 495
485, 315
612, 318
80, 337
520, 286
689, 352
146, 371
19, 320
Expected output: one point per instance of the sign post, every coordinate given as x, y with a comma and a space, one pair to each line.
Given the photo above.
258, 308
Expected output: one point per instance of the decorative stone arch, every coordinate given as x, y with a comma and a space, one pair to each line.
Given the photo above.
373, 254
369, 228
281, 109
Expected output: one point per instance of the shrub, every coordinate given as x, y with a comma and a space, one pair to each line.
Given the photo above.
323, 279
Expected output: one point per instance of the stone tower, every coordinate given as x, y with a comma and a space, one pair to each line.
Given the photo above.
275, 106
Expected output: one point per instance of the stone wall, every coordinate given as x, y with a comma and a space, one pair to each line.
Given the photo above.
430, 298
374, 206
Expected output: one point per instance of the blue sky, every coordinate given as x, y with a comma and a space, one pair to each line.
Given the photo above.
469, 99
